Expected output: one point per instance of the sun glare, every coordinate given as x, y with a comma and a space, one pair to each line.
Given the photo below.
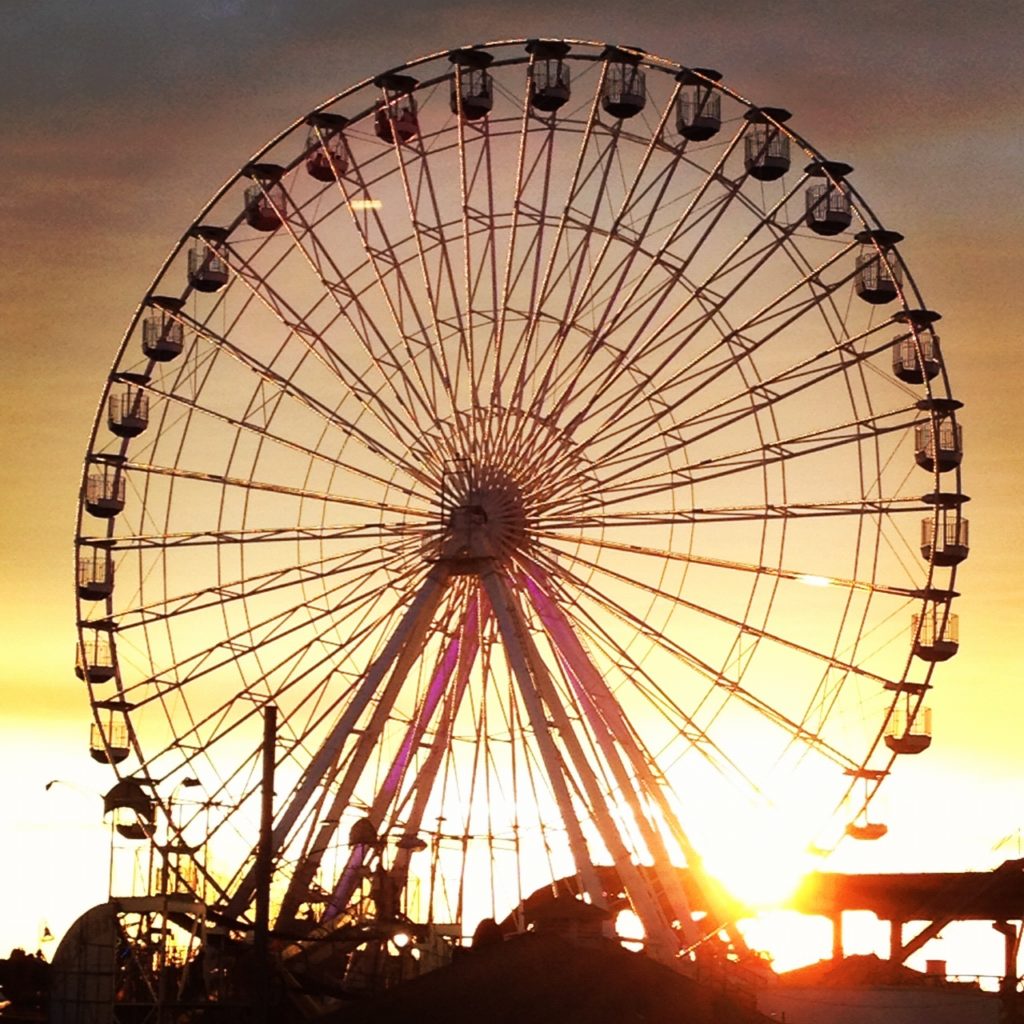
763, 876
815, 581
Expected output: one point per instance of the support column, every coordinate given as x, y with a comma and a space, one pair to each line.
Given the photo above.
1011, 934
896, 941
837, 935
265, 867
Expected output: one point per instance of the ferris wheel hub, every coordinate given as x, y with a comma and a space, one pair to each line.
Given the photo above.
485, 518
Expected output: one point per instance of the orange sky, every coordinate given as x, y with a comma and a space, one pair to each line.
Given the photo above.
118, 125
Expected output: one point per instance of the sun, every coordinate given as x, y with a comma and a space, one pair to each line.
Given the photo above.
762, 872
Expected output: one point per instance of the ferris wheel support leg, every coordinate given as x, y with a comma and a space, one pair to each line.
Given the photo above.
569, 645
439, 685
616, 741
441, 742
515, 637
415, 622
661, 941
411, 634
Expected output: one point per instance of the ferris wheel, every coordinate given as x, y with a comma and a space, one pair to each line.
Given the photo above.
560, 445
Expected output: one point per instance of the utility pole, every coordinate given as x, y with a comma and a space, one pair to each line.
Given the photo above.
265, 869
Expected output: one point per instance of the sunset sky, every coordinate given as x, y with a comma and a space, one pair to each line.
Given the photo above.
120, 119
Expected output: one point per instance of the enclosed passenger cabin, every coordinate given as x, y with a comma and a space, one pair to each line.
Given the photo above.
935, 630
866, 830
95, 657
938, 441
624, 90
906, 734
207, 259
765, 145
549, 75
944, 537
327, 154
94, 572
827, 205
264, 200
163, 336
105, 489
108, 738
916, 360
472, 91
397, 117
132, 809
879, 274
915, 356
698, 105
938, 444
127, 410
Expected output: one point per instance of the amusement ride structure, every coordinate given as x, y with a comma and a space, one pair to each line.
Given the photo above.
534, 471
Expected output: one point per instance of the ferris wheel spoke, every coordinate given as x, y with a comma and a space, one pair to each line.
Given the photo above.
695, 737
835, 359
219, 479
573, 271
244, 588
224, 721
584, 623
503, 290
193, 668
733, 409
425, 238
395, 421
268, 535
610, 412
755, 394
645, 340
471, 278
634, 346
666, 554
541, 279
623, 482
368, 616
746, 628
452, 314
784, 451
263, 431
616, 312
289, 386
311, 338
567, 527
385, 263
389, 365
717, 680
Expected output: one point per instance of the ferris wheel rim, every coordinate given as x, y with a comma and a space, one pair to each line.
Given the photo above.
872, 776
